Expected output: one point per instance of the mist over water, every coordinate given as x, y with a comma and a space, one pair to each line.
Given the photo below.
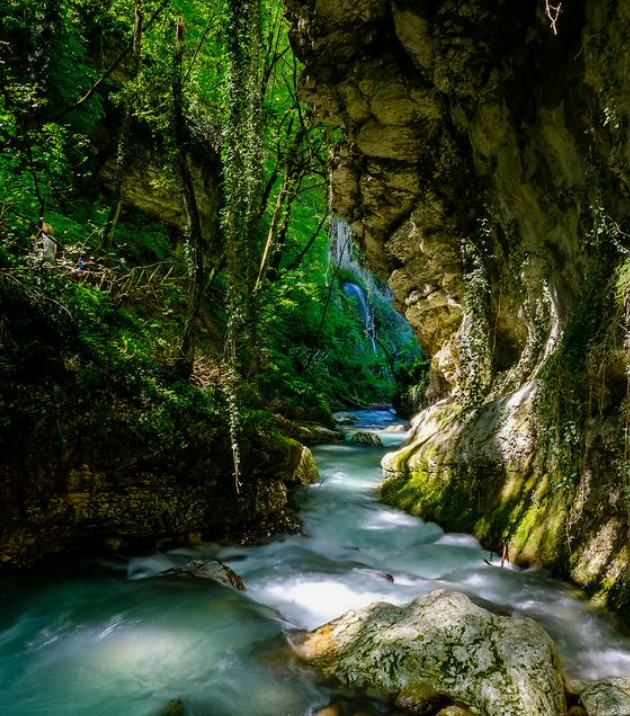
107, 638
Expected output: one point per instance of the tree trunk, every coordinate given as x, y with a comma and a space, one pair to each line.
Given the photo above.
123, 137
193, 229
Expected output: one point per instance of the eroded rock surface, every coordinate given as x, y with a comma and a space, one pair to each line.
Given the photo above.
441, 644
486, 177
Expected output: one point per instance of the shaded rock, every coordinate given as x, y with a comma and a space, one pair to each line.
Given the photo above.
419, 698
455, 711
364, 437
608, 697
576, 711
500, 665
207, 569
115, 544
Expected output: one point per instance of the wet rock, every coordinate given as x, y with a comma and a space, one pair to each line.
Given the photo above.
207, 569
455, 711
418, 698
499, 665
608, 697
365, 437
396, 429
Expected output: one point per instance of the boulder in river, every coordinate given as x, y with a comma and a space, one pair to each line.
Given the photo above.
207, 569
365, 437
608, 697
443, 643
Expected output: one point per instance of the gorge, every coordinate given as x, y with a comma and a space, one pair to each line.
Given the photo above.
486, 177
240, 243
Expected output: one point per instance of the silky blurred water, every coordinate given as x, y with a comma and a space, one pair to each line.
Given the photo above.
105, 638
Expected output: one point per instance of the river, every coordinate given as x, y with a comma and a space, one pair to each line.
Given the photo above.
105, 638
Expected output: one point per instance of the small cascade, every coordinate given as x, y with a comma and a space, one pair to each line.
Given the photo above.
353, 290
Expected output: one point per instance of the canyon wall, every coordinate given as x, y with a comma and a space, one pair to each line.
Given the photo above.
485, 175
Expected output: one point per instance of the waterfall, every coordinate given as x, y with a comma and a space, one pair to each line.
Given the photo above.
353, 290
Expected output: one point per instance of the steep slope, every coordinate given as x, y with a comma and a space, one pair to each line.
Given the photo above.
486, 177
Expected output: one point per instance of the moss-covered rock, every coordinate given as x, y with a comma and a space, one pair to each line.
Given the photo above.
443, 644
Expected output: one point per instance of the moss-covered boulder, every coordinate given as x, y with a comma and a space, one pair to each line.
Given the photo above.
498, 665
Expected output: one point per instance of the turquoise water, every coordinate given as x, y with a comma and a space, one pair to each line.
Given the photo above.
108, 637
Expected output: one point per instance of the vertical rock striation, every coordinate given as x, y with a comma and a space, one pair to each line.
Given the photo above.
486, 177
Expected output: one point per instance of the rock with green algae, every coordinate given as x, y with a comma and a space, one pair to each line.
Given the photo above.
418, 698
365, 437
306, 472
607, 697
455, 711
498, 665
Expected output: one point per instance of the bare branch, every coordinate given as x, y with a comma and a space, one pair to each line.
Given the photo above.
553, 13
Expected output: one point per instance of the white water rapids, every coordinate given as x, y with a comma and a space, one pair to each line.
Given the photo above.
103, 639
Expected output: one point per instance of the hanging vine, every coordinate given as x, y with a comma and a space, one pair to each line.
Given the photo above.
242, 163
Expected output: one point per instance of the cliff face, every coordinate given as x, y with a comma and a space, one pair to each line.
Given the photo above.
486, 177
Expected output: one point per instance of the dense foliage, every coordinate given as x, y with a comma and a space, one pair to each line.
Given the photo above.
163, 216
